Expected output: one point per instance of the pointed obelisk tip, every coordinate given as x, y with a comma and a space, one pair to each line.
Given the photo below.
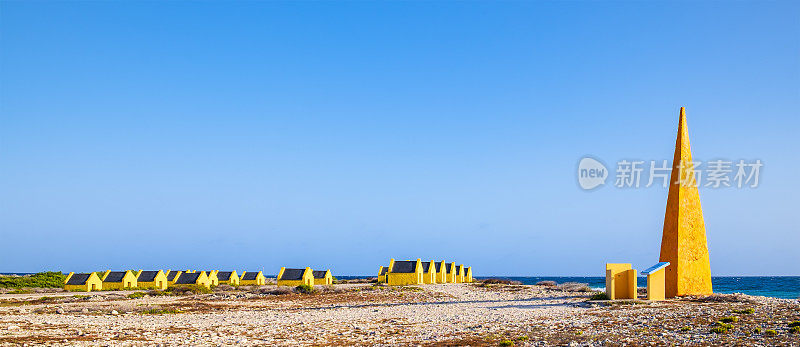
683, 111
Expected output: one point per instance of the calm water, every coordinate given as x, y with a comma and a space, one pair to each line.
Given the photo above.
784, 287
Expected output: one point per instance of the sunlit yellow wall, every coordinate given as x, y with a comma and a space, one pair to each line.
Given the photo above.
430, 276
212, 277
683, 242
460, 273
655, 285
441, 276
203, 280
381, 275
468, 275
451, 275
620, 281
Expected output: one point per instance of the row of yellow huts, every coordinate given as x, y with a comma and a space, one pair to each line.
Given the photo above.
159, 279
406, 272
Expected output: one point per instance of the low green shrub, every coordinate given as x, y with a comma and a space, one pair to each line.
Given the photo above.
794, 324
770, 332
506, 343
304, 289
794, 329
156, 292
136, 295
726, 326
599, 296
748, 310
729, 319
757, 330
719, 330
685, 329
523, 338
51, 279
189, 289
20, 291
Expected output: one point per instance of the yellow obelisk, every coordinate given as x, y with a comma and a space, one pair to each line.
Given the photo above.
683, 243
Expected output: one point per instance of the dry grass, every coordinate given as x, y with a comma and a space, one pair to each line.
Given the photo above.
497, 281
280, 290
574, 287
740, 298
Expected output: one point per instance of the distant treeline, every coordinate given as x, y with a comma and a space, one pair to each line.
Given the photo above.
49, 279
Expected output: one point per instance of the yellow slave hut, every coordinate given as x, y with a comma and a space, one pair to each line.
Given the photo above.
404, 272
252, 278
118, 279
228, 277
83, 281
151, 279
295, 277
197, 278
323, 277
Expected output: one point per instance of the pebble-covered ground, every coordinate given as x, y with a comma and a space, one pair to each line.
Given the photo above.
365, 314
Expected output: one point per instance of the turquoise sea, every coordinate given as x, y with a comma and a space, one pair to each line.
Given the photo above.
785, 287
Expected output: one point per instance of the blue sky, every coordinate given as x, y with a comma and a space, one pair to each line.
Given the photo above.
256, 135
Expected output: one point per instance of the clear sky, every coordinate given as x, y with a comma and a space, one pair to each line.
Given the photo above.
254, 135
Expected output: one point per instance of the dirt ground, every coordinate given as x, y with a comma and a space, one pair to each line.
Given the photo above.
366, 314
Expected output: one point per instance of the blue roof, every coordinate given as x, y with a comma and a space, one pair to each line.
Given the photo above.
655, 268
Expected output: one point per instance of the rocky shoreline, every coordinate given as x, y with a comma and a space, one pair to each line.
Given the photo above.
367, 314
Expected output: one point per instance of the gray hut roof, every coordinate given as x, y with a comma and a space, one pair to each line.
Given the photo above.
404, 266
115, 276
293, 274
188, 278
224, 275
438, 266
147, 276
171, 275
250, 275
458, 270
78, 279
319, 273
384, 270
449, 268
